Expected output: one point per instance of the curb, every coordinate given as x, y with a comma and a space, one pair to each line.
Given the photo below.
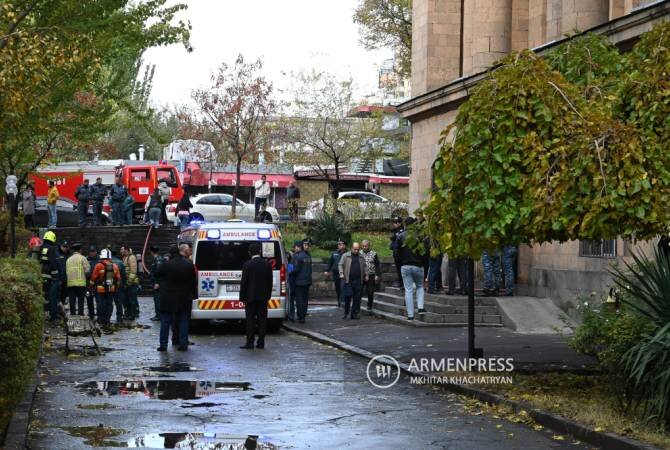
17, 430
555, 422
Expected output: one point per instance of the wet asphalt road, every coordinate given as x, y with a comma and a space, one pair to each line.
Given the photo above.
294, 394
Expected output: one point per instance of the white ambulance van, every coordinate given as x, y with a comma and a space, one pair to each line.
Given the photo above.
219, 251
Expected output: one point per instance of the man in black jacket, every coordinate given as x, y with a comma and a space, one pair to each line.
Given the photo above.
178, 287
398, 229
302, 270
255, 291
98, 193
83, 196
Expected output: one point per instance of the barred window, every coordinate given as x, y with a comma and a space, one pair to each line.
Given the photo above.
602, 248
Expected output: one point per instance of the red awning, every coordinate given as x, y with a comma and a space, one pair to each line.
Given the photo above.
387, 180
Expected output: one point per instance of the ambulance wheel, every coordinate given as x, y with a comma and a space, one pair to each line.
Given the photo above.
274, 325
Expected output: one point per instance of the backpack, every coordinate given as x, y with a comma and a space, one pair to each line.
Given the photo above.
108, 280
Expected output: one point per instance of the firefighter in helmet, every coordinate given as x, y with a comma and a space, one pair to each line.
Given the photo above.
51, 273
106, 279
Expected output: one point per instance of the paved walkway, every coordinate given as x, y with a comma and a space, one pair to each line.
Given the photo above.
378, 336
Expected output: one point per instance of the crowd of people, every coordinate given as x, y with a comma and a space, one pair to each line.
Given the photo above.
107, 281
358, 271
102, 280
92, 198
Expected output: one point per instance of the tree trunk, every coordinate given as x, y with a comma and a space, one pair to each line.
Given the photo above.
237, 185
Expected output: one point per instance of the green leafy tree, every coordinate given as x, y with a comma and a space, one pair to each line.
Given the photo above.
65, 67
387, 23
645, 95
592, 63
530, 160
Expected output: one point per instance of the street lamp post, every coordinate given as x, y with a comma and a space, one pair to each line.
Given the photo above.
11, 190
473, 352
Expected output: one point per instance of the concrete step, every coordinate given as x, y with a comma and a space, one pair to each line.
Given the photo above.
455, 300
439, 308
388, 312
431, 317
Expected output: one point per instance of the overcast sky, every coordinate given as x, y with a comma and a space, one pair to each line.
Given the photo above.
289, 35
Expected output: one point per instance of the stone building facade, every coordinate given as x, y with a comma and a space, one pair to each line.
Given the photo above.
455, 41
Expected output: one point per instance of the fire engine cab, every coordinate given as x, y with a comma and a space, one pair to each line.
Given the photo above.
139, 177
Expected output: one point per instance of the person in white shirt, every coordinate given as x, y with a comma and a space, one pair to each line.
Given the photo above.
262, 193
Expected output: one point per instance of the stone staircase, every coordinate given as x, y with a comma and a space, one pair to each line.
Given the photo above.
441, 310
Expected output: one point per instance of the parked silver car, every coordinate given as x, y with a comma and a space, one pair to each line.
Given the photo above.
360, 205
218, 207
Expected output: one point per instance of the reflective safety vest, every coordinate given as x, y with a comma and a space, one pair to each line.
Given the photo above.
76, 267
130, 262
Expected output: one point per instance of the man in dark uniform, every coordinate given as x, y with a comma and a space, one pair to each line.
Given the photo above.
83, 196
255, 291
118, 194
62, 254
98, 193
158, 260
302, 269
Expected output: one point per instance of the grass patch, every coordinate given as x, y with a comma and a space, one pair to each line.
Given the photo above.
378, 241
587, 399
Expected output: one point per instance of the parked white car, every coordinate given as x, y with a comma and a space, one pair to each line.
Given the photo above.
360, 205
218, 207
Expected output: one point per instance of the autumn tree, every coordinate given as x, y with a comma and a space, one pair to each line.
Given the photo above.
65, 69
321, 130
237, 109
387, 23
557, 148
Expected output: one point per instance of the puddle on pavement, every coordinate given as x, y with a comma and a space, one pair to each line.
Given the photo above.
201, 405
160, 389
96, 436
174, 367
96, 406
202, 441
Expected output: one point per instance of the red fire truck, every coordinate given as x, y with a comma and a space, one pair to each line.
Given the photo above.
139, 177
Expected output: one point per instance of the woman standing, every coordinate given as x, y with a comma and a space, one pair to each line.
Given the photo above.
28, 202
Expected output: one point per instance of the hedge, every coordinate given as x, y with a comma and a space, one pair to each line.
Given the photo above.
21, 321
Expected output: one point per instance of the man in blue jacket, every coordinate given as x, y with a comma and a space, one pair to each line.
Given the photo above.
302, 269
